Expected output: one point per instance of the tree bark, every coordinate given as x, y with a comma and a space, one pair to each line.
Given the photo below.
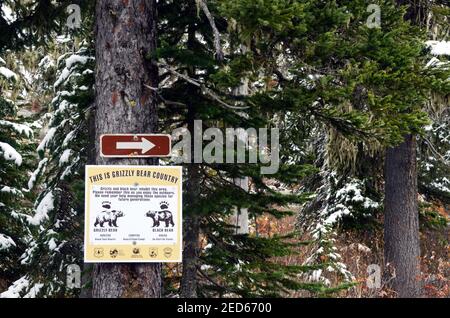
125, 33
240, 215
191, 225
190, 257
86, 275
401, 218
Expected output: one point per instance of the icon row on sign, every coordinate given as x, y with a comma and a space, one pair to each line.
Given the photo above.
152, 252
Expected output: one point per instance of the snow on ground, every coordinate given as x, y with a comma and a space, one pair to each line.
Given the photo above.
10, 154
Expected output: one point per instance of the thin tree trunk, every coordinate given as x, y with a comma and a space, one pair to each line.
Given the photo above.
125, 34
191, 226
401, 218
240, 215
190, 257
86, 275
239, 219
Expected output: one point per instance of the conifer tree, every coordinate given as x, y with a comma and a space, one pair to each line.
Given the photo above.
125, 36
366, 85
339, 91
56, 183
198, 80
16, 141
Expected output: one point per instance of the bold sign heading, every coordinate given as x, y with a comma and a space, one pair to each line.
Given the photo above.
135, 145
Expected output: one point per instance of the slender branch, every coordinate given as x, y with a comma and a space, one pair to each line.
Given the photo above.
216, 33
434, 151
165, 101
203, 88
210, 279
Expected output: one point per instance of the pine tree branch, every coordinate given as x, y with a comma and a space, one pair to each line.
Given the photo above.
165, 101
210, 279
435, 152
205, 90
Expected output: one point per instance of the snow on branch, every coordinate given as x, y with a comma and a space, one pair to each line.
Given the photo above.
6, 242
47, 139
439, 47
19, 128
43, 208
16, 288
71, 61
6, 72
10, 154
41, 167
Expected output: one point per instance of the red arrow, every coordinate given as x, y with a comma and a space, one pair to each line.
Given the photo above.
137, 146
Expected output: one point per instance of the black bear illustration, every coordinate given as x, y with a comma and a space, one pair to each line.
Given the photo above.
109, 217
161, 216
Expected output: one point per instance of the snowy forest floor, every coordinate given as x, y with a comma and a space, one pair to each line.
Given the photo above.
361, 248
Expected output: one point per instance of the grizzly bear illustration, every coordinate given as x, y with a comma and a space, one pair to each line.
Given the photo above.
161, 216
107, 216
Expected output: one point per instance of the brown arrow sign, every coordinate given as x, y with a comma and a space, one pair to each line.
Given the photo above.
135, 145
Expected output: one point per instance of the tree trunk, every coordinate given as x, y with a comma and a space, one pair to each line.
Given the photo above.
190, 257
401, 218
86, 275
125, 33
240, 216
191, 226
239, 219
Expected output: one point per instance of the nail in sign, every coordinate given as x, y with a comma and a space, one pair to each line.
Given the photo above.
135, 145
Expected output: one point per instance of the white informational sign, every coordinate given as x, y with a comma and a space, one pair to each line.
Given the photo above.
133, 214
